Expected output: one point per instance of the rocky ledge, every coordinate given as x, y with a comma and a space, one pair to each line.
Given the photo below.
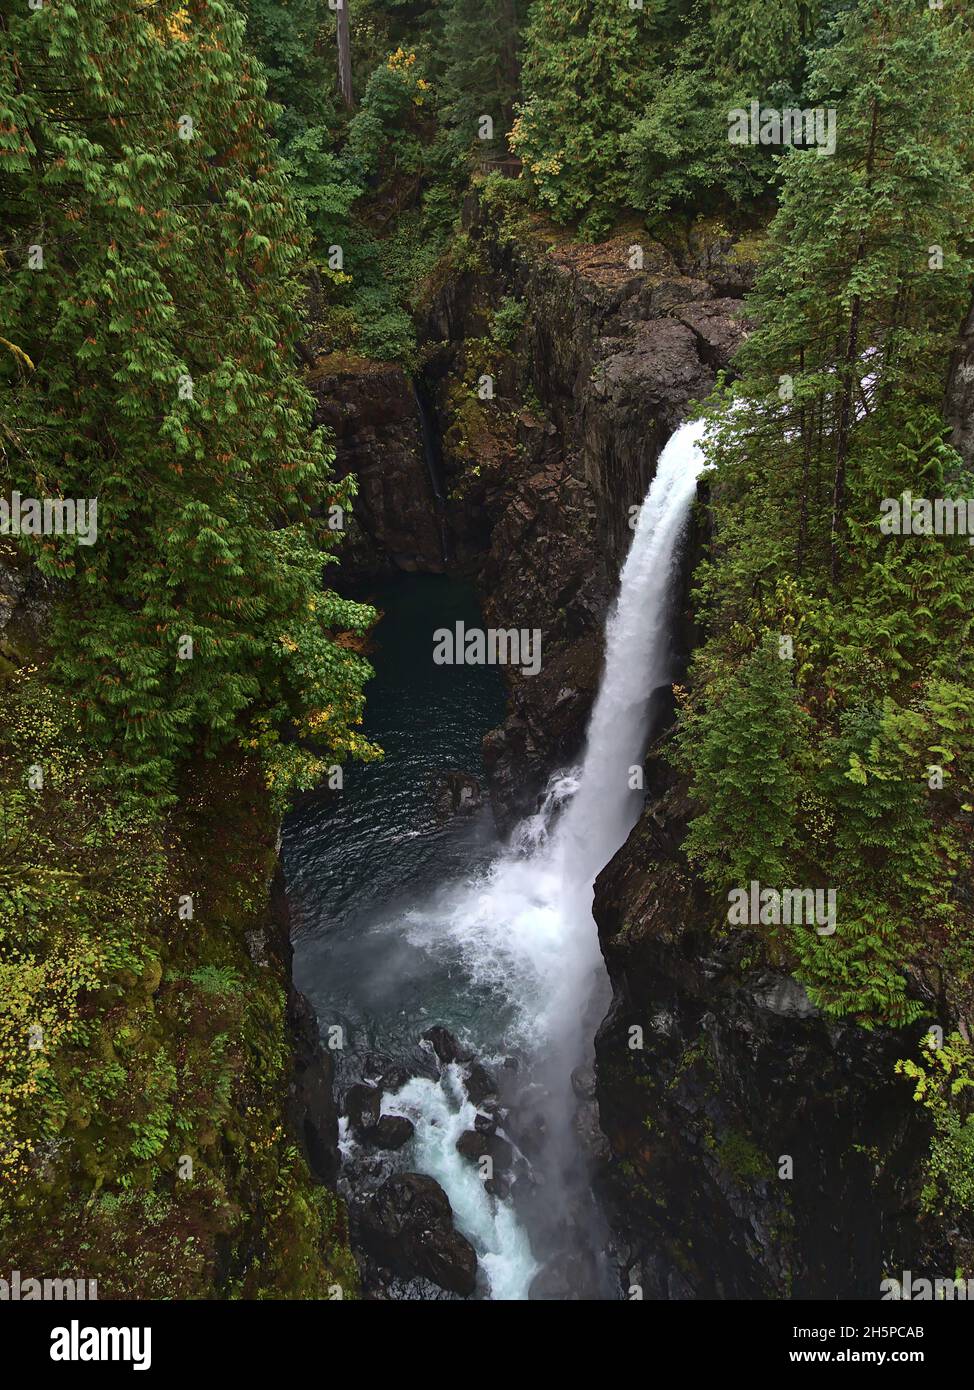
547, 477
371, 411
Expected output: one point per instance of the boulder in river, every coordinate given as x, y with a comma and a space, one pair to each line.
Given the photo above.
445, 1045
391, 1132
479, 1083
408, 1225
485, 1120
476, 1146
583, 1082
456, 794
394, 1078
362, 1106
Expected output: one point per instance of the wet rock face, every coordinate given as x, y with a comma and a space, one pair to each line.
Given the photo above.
456, 793
617, 356
391, 1132
371, 410
402, 1222
541, 489
314, 1115
479, 1084
609, 360
26, 600
311, 1110
407, 1225
445, 1046
363, 1106
545, 574
476, 1146
732, 1082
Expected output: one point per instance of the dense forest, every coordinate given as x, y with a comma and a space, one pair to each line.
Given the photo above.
207, 207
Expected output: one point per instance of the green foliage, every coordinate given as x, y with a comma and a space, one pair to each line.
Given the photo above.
295, 43
836, 408
944, 1079
508, 319
678, 153
383, 183
133, 1041
743, 1159
167, 261
628, 108
385, 135
587, 70
747, 758
478, 70
761, 44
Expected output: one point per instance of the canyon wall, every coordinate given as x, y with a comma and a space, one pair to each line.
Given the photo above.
755, 1149
544, 478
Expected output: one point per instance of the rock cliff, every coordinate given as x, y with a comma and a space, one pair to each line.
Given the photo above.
758, 1149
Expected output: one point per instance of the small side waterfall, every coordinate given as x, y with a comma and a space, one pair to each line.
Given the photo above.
523, 931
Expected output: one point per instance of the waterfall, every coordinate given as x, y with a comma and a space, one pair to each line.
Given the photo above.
637, 661
523, 932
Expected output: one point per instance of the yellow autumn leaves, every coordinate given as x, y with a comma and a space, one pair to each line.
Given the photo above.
401, 61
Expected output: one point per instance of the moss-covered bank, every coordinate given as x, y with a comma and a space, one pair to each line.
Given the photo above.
154, 1129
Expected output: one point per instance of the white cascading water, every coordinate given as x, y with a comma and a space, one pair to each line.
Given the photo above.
524, 928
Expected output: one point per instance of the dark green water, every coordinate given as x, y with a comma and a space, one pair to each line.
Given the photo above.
357, 860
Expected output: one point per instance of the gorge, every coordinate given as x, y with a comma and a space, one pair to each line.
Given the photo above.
488, 816
517, 937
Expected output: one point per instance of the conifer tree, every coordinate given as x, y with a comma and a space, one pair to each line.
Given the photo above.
865, 279
588, 71
747, 768
478, 58
870, 253
761, 44
151, 277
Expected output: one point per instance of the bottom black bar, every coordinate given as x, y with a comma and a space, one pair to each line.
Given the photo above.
167, 1338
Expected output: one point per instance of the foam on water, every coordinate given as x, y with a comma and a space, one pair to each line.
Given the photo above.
441, 1113
524, 927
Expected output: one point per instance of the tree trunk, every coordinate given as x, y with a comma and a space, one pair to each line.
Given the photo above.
344, 54
804, 429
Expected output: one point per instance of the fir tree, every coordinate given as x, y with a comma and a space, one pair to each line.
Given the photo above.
478, 59
747, 763
865, 278
160, 314
588, 71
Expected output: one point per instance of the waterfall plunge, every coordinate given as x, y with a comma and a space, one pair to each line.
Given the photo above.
524, 929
